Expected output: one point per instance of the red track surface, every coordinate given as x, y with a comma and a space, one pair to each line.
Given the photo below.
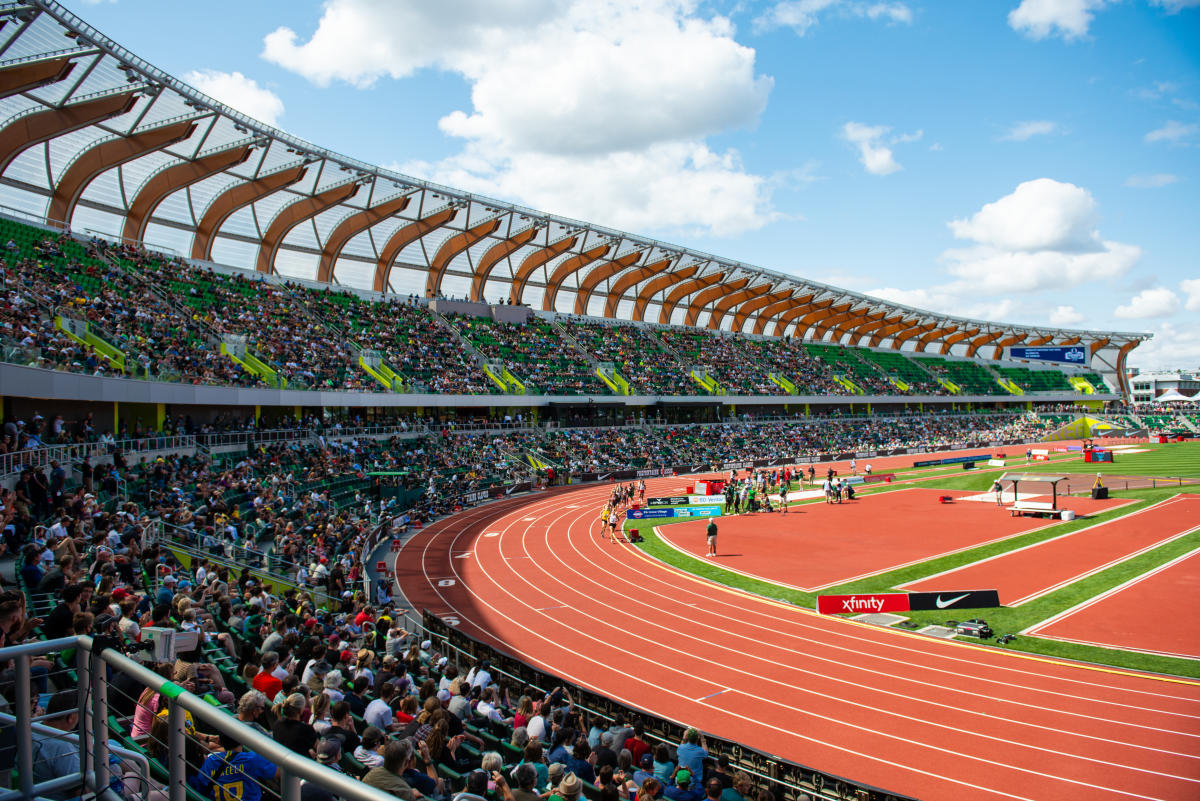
818, 545
1139, 615
1023, 574
940, 721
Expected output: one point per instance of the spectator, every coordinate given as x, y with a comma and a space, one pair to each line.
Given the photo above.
387, 776
692, 752
681, 789
292, 732
236, 773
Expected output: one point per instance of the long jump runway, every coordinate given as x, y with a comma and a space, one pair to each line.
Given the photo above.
937, 720
1145, 613
1031, 572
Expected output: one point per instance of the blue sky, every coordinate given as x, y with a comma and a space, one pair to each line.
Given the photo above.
1033, 161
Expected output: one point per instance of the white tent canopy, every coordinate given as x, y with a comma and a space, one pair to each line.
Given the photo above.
1174, 396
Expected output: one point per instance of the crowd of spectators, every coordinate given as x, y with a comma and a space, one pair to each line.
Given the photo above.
407, 336
637, 356
328, 668
58, 277
169, 318
535, 353
732, 361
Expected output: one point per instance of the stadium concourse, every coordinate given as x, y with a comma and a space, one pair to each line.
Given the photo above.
237, 368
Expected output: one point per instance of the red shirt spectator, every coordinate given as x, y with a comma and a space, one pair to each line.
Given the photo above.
267, 684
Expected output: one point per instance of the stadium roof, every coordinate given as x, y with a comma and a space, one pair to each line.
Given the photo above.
98, 139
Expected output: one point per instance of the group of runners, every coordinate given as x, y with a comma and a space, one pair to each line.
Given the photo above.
619, 501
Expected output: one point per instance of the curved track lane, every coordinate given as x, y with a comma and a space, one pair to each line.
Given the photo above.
923, 717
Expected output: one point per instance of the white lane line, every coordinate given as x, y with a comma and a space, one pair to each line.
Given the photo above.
771, 702
1079, 607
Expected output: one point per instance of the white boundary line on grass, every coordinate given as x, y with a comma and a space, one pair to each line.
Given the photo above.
1042, 542
1123, 558
1033, 630
879, 572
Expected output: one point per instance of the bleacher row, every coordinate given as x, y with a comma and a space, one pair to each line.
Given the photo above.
149, 315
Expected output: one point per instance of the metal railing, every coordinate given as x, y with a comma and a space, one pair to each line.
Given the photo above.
66, 454
92, 665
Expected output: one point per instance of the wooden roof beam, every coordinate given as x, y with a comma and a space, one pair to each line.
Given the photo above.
352, 226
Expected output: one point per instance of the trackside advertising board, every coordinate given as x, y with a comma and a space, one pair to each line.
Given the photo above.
682, 500
678, 511
1065, 355
906, 602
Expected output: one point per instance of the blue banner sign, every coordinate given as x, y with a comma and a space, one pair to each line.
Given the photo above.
678, 511
1074, 354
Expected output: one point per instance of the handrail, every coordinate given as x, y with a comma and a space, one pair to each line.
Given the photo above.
93, 659
70, 452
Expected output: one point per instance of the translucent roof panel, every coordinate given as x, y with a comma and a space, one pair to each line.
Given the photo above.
168, 239
296, 265
233, 252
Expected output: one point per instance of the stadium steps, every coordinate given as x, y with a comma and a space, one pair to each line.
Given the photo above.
1082, 385
81, 331
707, 383
255, 366
784, 384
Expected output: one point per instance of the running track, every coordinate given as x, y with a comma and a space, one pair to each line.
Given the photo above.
940, 721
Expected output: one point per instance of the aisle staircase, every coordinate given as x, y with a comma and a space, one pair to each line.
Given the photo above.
605, 371
783, 383
82, 332
499, 375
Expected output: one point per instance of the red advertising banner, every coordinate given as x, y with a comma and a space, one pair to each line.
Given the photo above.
906, 602
862, 604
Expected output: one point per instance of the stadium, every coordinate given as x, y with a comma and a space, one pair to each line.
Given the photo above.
442, 519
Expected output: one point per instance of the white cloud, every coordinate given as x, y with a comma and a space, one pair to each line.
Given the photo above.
1039, 19
1040, 236
1173, 131
670, 185
950, 299
894, 12
801, 15
1154, 181
1066, 316
1175, 6
1024, 131
1174, 346
1149, 303
873, 145
561, 92
237, 91
1191, 288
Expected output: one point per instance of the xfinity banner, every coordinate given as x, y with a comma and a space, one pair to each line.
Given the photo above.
906, 602
1064, 355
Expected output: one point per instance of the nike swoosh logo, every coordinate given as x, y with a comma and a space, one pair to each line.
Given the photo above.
943, 604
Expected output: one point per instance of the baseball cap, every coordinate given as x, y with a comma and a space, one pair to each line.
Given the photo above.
683, 778
329, 751
443, 695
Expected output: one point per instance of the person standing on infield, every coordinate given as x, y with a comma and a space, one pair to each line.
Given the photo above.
712, 537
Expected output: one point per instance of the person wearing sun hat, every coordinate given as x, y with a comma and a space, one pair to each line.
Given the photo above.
569, 789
